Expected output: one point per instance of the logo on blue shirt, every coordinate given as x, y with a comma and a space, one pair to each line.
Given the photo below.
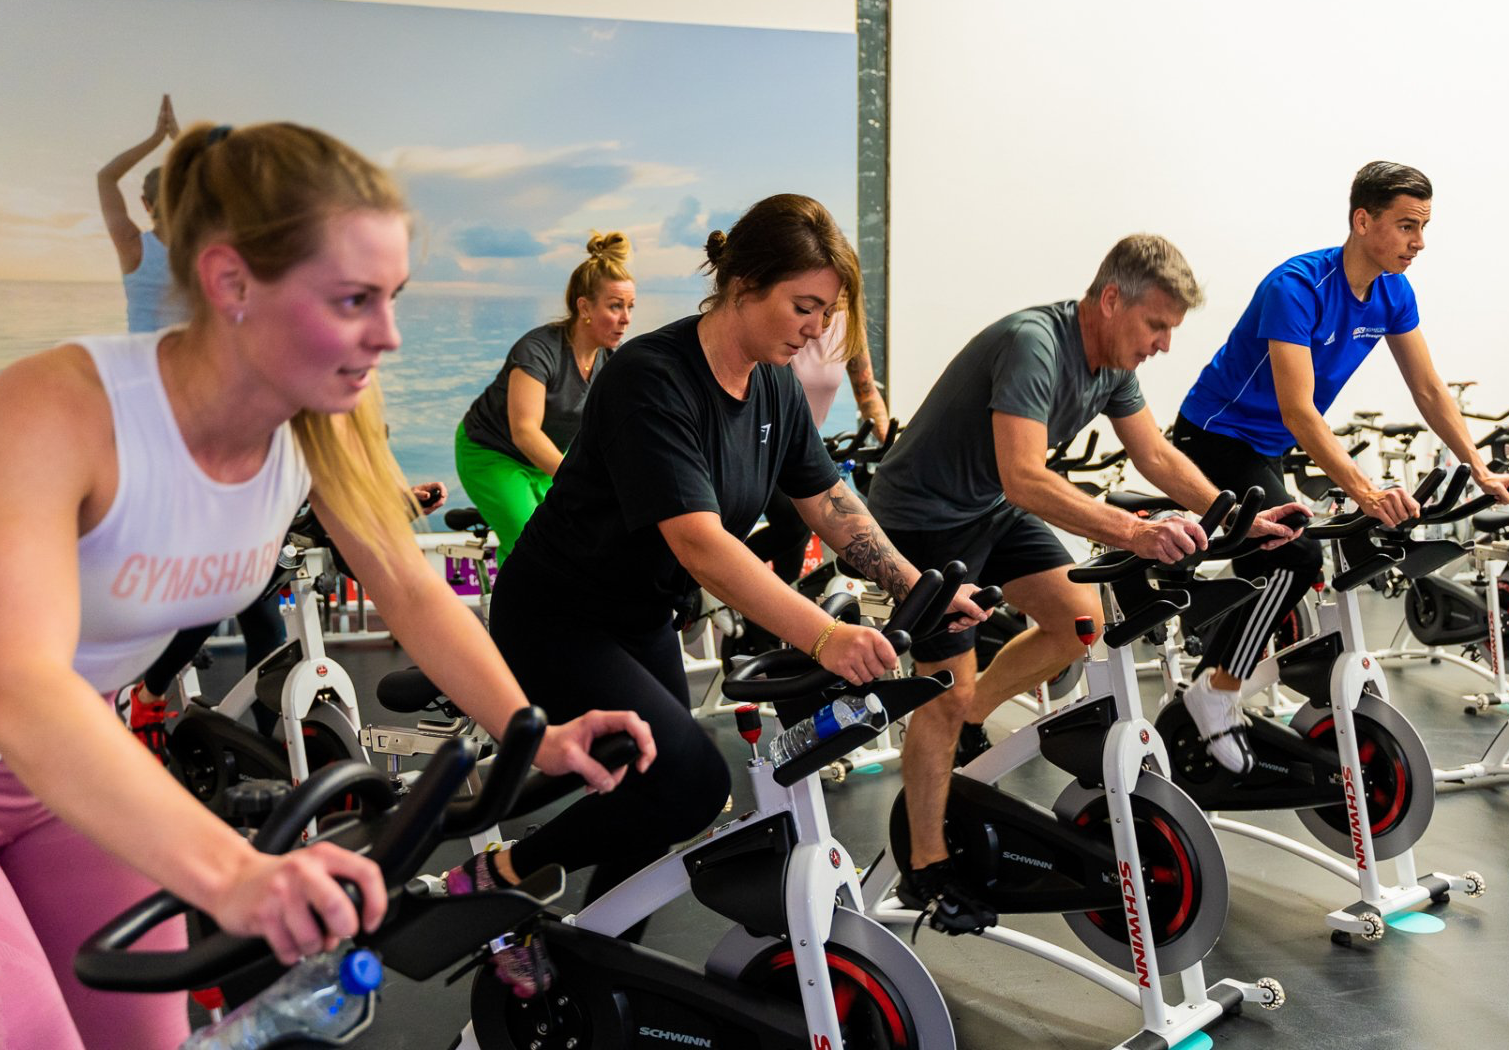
1365, 332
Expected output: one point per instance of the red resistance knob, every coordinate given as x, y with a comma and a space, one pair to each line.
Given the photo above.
209, 998
1084, 626
747, 718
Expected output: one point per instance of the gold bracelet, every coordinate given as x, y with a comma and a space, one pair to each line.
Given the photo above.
822, 640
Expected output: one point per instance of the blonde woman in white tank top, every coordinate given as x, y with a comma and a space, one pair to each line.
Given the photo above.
148, 480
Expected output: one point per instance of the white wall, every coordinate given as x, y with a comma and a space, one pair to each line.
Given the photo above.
1028, 137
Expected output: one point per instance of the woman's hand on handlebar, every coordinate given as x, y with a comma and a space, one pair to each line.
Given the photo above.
1270, 523
963, 613
1390, 506
1167, 539
857, 654
278, 898
564, 748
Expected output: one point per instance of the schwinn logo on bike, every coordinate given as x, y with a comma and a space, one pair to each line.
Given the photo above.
1134, 926
321, 670
833, 858
1354, 817
681, 1038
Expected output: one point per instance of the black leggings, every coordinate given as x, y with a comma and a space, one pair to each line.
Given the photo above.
1239, 638
568, 666
261, 627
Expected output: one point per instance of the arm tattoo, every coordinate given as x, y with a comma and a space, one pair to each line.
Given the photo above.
861, 541
862, 379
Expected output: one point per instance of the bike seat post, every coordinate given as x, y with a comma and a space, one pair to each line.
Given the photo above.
747, 718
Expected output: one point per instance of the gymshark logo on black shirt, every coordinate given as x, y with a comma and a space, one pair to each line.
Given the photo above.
764, 433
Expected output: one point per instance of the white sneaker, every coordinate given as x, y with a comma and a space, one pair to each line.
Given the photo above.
1218, 715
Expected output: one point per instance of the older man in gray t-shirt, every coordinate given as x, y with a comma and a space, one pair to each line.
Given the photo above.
968, 480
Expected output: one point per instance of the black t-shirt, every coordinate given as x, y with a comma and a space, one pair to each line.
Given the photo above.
661, 438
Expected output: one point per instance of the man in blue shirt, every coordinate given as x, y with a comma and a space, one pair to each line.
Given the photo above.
1310, 325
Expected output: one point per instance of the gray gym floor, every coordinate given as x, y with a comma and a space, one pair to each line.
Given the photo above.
1443, 989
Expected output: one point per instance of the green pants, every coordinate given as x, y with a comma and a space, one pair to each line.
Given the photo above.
505, 491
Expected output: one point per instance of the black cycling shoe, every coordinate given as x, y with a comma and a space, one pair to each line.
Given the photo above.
972, 744
947, 905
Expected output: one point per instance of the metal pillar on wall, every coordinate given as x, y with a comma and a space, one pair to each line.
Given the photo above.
873, 25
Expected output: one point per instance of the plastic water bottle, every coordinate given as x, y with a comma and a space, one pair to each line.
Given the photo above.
809, 732
324, 995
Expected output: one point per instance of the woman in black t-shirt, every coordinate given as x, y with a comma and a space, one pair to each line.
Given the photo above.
683, 438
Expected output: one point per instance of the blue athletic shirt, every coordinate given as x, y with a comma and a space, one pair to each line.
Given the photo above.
1305, 301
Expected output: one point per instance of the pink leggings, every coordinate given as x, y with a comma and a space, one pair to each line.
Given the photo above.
57, 888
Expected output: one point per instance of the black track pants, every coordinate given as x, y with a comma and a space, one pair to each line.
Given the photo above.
1237, 640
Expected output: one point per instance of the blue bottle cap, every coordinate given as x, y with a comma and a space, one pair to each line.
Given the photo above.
361, 972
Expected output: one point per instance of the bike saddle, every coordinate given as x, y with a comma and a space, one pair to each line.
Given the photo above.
1401, 429
1141, 503
407, 691
1491, 521
464, 519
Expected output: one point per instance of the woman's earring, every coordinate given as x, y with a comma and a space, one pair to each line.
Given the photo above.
240, 316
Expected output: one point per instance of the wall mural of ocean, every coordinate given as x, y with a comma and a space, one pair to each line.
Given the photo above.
454, 342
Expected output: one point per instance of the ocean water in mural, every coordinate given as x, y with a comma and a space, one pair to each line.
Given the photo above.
454, 343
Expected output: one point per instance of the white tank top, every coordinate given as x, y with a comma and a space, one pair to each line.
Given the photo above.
176, 549
820, 367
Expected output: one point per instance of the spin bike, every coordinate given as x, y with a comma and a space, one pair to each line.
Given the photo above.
1348, 763
213, 748
1124, 855
421, 935
1441, 611
803, 967
1480, 614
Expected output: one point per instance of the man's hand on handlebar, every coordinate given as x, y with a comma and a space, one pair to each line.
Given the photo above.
857, 654
1270, 523
1390, 506
963, 613
1167, 539
1495, 485
278, 898
564, 748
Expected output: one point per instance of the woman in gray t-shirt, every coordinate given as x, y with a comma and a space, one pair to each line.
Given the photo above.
514, 436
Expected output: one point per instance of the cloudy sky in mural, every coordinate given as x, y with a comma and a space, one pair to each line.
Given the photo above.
514, 135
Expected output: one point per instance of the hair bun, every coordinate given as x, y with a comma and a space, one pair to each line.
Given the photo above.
609, 247
716, 242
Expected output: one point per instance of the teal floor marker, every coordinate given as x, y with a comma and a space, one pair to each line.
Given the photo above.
1416, 922
873, 767
1198, 1041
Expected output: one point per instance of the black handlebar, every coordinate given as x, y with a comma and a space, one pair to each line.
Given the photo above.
400, 839
1121, 564
784, 675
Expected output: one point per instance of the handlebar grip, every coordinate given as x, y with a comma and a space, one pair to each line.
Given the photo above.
1429, 484
1216, 513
